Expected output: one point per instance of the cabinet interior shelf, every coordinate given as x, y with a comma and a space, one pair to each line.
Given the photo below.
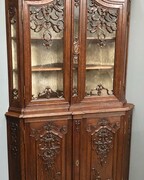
99, 67
60, 38
109, 40
59, 67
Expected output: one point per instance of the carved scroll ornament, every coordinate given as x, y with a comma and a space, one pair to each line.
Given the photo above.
47, 18
102, 138
99, 90
101, 21
49, 93
49, 140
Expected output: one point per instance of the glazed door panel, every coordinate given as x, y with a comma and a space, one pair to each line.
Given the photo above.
101, 148
48, 150
47, 50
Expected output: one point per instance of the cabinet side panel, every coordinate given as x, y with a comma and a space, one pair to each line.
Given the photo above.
14, 131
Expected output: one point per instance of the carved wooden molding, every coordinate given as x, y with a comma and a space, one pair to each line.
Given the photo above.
14, 138
102, 138
49, 140
46, 18
77, 125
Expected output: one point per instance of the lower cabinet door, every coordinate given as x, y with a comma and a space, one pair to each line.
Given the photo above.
102, 148
48, 149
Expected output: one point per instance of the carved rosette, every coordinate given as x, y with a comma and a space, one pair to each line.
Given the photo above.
47, 19
102, 138
49, 140
14, 138
101, 21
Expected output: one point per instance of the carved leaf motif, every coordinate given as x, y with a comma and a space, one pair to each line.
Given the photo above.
46, 19
49, 140
102, 138
101, 21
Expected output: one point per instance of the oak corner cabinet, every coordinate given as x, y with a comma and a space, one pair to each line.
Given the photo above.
68, 118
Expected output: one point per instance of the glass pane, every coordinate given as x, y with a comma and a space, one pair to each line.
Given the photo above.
12, 12
47, 24
100, 52
76, 47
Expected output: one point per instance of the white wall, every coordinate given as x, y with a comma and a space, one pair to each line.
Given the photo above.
3, 95
135, 89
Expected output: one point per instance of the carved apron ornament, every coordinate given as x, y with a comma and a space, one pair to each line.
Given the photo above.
102, 138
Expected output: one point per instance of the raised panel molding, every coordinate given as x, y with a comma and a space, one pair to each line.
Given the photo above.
49, 141
102, 138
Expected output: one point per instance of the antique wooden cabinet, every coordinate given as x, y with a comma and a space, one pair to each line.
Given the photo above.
68, 118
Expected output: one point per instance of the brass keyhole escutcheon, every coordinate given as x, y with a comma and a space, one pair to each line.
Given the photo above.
77, 163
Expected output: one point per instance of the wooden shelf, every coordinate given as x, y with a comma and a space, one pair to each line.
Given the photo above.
58, 67
37, 69
39, 39
96, 67
99, 67
105, 40
48, 67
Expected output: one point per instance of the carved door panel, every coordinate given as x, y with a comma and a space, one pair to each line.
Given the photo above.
101, 148
48, 150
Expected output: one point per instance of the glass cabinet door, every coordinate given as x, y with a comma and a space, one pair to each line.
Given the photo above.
100, 49
13, 52
47, 25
